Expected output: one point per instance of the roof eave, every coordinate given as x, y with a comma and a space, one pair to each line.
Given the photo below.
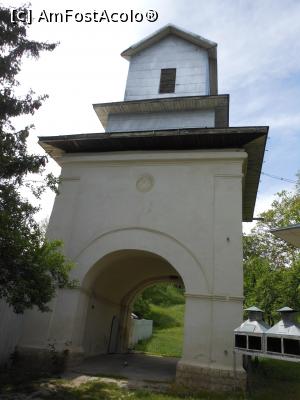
167, 30
118, 141
290, 234
218, 102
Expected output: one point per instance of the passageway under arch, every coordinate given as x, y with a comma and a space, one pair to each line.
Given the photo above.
112, 285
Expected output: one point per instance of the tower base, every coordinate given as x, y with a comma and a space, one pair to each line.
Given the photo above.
197, 377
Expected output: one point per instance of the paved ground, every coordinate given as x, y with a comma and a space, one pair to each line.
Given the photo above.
136, 367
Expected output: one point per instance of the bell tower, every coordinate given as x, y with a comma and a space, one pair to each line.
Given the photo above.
171, 63
172, 83
162, 193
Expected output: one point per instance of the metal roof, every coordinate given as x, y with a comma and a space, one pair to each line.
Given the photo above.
286, 309
252, 326
251, 139
165, 31
253, 308
254, 323
290, 233
219, 103
285, 328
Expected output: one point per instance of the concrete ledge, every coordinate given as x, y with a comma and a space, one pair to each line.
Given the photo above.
210, 379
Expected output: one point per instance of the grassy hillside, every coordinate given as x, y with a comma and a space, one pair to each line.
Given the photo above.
271, 380
167, 335
164, 304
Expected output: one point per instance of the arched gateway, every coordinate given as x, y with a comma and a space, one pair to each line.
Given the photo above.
160, 195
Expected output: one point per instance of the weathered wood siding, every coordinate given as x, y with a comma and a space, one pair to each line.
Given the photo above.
163, 120
190, 61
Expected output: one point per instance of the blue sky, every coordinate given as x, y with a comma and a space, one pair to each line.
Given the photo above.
258, 65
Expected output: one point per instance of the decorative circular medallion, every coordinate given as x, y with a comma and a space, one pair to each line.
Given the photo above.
145, 183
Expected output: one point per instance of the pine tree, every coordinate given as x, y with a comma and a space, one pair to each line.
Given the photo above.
31, 268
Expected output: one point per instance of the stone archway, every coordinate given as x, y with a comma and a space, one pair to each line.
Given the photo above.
117, 278
157, 242
166, 256
67, 325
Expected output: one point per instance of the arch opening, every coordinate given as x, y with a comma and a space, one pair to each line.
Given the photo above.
160, 309
111, 286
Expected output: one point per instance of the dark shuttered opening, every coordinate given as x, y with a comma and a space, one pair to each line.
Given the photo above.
274, 345
167, 80
254, 342
241, 341
291, 346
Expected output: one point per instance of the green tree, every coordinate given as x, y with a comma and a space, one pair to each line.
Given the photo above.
272, 266
285, 210
162, 294
30, 267
262, 286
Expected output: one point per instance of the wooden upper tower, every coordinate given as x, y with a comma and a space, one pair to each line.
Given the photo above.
171, 62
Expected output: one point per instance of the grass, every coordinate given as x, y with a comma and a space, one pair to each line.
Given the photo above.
97, 390
167, 338
271, 380
275, 379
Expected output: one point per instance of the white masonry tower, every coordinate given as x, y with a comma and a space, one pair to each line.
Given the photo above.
160, 196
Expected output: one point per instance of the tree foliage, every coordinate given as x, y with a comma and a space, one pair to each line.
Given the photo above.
272, 266
161, 294
285, 210
30, 267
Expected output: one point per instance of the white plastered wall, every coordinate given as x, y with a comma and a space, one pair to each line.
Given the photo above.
184, 207
10, 331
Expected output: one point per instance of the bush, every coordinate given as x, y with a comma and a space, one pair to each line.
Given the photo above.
161, 294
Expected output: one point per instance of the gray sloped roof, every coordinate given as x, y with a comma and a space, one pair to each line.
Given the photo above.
253, 308
288, 328
286, 309
290, 233
218, 103
252, 327
165, 31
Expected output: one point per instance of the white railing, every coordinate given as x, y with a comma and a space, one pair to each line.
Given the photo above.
140, 329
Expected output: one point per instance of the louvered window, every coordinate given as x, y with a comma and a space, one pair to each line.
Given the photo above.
167, 80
